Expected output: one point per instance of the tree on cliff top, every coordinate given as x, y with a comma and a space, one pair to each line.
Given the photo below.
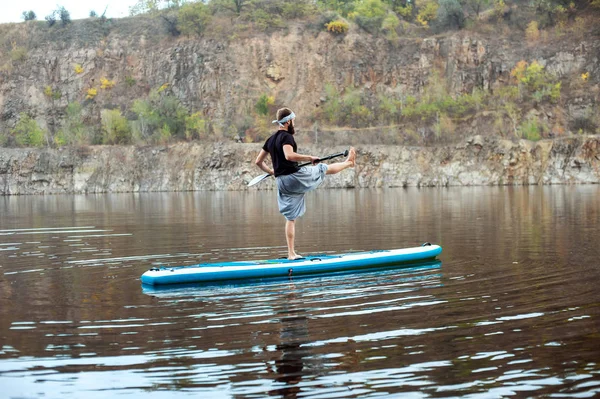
62, 13
28, 16
450, 14
193, 18
151, 6
235, 6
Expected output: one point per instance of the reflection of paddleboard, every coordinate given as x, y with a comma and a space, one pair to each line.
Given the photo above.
312, 264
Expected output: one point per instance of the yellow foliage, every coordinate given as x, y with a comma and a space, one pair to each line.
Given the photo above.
585, 76
91, 93
78, 69
427, 13
48, 91
519, 70
532, 32
499, 6
106, 84
164, 87
405, 12
338, 26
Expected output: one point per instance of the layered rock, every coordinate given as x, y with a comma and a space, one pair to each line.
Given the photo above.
194, 167
223, 77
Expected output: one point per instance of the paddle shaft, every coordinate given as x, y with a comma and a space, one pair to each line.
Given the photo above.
339, 154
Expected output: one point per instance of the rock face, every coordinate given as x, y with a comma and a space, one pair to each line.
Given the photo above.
223, 77
192, 167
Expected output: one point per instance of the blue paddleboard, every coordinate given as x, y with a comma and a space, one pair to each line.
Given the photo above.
312, 264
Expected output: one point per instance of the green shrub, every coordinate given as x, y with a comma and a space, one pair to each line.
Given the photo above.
156, 111
352, 99
130, 81
436, 100
144, 7
291, 9
371, 9
18, 54
369, 15
389, 108
351, 108
51, 19
499, 7
115, 127
427, 13
28, 16
475, 6
193, 18
235, 6
584, 123
507, 93
444, 126
147, 120
73, 131
343, 7
332, 107
360, 115
389, 25
195, 126
165, 134
406, 12
450, 14
531, 129
65, 16
28, 133
264, 21
263, 104
532, 80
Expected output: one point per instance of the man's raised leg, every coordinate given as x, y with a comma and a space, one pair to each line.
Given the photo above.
339, 166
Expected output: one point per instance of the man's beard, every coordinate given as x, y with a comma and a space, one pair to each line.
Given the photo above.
291, 129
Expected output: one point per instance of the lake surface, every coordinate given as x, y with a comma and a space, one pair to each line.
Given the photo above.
511, 309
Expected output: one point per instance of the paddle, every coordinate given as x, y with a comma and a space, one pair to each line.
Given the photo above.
260, 178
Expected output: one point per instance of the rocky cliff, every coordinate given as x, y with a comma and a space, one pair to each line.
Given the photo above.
44, 69
190, 167
223, 75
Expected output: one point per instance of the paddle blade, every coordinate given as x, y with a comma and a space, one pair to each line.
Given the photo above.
258, 179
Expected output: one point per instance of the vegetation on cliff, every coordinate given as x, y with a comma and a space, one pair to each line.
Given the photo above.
87, 102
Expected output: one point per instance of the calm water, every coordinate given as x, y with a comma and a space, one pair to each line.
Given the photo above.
512, 309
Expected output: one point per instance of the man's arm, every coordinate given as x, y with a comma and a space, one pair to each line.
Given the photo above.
260, 162
292, 156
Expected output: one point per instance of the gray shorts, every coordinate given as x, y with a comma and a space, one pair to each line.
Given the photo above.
291, 189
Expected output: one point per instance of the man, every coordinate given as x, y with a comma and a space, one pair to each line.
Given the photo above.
292, 181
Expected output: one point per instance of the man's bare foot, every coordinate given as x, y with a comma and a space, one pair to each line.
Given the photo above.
295, 256
351, 156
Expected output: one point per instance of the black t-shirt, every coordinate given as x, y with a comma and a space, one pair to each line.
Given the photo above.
274, 146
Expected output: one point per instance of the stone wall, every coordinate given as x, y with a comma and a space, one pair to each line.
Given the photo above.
195, 167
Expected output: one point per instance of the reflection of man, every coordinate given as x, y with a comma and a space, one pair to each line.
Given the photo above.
290, 366
293, 334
